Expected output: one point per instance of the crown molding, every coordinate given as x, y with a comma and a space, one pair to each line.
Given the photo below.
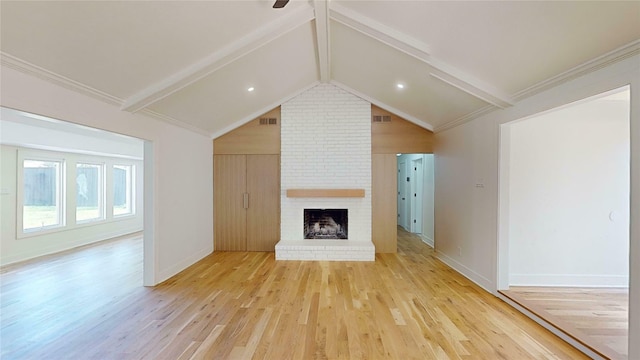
384, 106
51, 77
25, 67
173, 121
621, 53
215, 61
464, 119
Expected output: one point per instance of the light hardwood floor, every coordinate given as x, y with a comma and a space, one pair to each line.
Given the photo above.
596, 317
89, 304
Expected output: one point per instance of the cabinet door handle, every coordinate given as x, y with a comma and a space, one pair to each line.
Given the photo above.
245, 200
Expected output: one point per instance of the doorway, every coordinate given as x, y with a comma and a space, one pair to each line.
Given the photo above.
415, 195
564, 217
101, 187
402, 193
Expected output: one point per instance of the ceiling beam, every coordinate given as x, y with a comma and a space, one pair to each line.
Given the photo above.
322, 39
218, 59
420, 51
379, 31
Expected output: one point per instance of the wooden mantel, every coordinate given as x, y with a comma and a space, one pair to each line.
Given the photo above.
311, 193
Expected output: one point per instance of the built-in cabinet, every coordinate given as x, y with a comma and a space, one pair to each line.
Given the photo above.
384, 211
246, 186
246, 202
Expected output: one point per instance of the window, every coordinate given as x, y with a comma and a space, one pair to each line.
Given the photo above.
105, 191
123, 176
89, 192
42, 194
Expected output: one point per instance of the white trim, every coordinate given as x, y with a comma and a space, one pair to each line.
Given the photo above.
149, 248
172, 121
447, 77
102, 190
26, 256
60, 190
380, 32
67, 186
322, 39
262, 111
70, 151
478, 279
25, 67
130, 191
427, 240
215, 61
502, 244
592, 65
384, 106
569, 280
464, 119
185, 263
51, 77
619, 54
415, 48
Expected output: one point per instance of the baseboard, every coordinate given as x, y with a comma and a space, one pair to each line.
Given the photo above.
569, 280
427, 240
176, 268
478, 279
57, 247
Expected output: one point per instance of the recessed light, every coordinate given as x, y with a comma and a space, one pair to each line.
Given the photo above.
400, 86
250, 89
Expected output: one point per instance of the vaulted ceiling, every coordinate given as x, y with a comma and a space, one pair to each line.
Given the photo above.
192, 62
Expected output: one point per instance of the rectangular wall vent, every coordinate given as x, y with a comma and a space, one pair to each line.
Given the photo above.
381, 118
268, 121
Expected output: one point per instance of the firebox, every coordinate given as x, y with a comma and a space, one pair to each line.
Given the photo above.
325, 223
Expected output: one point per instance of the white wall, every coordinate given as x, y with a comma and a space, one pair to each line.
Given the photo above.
465, 194
569, 196
182, 168
466, 172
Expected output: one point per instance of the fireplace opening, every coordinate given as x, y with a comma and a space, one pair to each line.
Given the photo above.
325, 223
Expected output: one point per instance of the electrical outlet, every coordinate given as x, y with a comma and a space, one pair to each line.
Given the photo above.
459, 250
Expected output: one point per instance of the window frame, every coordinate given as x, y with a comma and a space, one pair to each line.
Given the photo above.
101, 191
68, 192
130, 189
61, 192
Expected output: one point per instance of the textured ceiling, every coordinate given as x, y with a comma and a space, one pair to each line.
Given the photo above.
191, 63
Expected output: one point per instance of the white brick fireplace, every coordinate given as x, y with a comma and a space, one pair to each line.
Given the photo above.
326, 144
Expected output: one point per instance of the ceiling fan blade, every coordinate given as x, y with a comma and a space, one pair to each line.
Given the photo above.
280, 4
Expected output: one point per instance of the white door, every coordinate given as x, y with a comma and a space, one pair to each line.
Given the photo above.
416, 196
402, 194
